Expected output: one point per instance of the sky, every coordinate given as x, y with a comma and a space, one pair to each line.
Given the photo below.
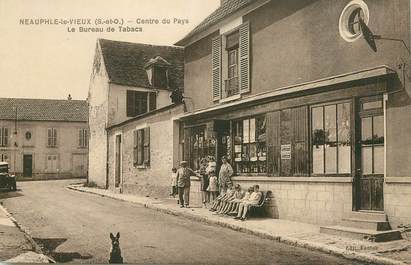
52, 61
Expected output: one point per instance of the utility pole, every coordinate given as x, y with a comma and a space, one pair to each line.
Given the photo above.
15, 141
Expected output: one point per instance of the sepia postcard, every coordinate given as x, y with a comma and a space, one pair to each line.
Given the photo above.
205, 132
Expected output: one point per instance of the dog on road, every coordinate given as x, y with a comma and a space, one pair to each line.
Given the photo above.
115, 252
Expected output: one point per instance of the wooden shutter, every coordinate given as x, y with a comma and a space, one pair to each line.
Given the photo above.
273, 143
80, 138
300, 142
135, 141
49, 137
131, 101
140, 147
244, 50
153, 101
54, 137
216, 67
1, 136
147, 144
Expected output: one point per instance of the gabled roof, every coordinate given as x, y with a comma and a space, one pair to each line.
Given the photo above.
125, 61
225, 9
43, 109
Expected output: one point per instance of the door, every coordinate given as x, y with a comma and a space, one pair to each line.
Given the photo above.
118, 161
370, 152
222, 129
27, 166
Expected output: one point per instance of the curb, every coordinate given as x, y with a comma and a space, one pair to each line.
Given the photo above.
350, 255
26, 233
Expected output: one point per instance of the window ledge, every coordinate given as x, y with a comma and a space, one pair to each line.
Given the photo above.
294, 179
235, 97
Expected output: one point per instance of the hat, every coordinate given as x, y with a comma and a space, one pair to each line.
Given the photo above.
183, 163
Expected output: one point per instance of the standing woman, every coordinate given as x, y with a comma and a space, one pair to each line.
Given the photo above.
224, 176
204, 181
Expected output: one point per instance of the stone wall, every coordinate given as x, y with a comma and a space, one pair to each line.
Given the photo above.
397, 203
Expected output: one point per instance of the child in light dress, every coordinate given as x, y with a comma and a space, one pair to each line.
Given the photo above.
212, 186
236, 197
173, 181
234, 205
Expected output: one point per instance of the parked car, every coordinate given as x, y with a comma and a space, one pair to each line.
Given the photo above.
6, 180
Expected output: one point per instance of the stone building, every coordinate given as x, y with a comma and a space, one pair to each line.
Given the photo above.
134, 137
302, 105
44, 138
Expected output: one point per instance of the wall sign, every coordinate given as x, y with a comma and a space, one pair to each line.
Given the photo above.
286, 151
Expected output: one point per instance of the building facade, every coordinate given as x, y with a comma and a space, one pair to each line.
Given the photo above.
301, 104
44, 139
134, 137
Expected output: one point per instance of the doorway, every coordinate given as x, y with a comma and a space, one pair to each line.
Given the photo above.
27, 166
370, 155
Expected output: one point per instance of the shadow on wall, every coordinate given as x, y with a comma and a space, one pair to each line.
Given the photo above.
400, 97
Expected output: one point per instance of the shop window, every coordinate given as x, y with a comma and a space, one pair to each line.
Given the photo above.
4, 158
250, 150
202, 144
331, 139
141, 147
4, 136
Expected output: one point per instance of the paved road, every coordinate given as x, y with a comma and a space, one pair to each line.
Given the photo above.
75, 227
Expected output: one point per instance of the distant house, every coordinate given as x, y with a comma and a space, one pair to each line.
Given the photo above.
44, 138
132, 128
300, 103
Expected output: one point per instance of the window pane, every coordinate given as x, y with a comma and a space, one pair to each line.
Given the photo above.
366, 160
366, 130
330, 159
330, 125
344, 159
343, 119
318, 140
252, 130
246, 131
378, 136
379, 159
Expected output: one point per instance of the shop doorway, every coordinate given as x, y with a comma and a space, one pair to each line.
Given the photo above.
370, 155
27, 166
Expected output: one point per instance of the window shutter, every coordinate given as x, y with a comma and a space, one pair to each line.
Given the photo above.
216, 67
49, 137
139, 147
80, 138
85, 138
273, 143
135, 147
131, 100
1, 136
244, 50
147, 144
153, 101
54, 137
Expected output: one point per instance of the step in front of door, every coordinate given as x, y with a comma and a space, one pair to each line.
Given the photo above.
374, 225
361, 234
366, 215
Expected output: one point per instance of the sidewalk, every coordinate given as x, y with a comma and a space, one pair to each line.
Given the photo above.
15, 245
288, 232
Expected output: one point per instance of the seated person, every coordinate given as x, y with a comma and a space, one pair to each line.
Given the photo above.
233, 207
238, 195
220, 197
254, 199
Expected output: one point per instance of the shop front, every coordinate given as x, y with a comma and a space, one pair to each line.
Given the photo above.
320, 148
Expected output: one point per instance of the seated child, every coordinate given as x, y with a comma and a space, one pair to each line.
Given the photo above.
230, 196
254, 199
233, 207
221, 197
238, 195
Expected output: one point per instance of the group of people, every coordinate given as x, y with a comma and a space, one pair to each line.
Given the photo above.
211, 186
219, 191
237, 202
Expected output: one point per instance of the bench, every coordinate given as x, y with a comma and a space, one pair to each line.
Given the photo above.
258, 210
